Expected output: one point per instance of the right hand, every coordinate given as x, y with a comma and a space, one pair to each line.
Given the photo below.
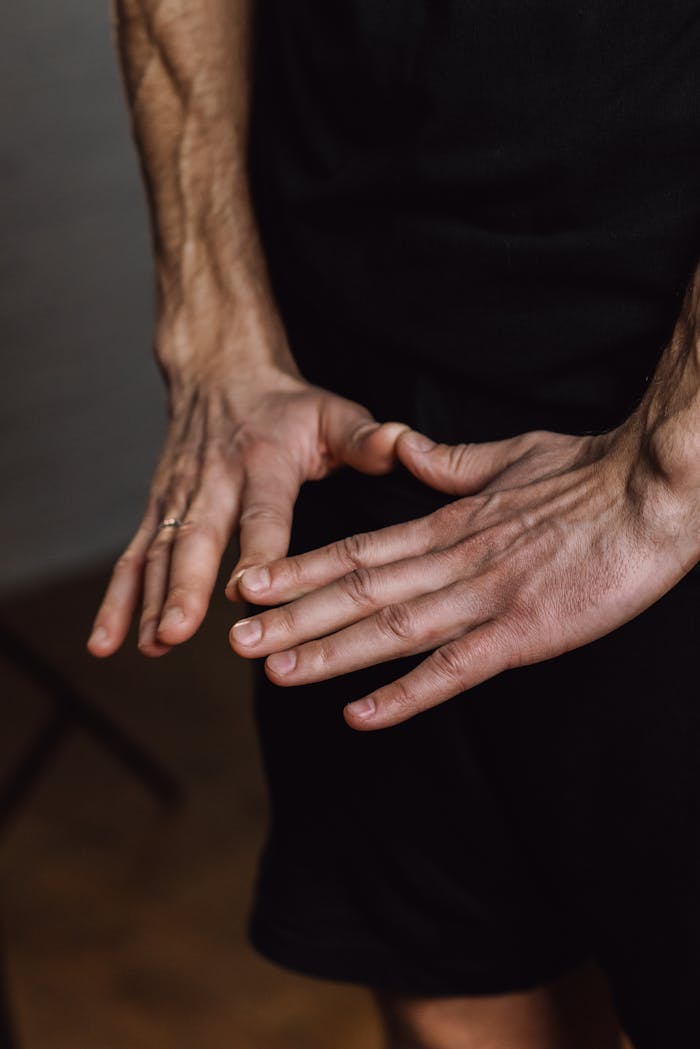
237, 450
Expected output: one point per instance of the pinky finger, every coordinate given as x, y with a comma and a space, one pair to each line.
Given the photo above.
119, 603
453, 668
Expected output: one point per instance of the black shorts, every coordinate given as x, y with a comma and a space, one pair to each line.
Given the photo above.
545, 817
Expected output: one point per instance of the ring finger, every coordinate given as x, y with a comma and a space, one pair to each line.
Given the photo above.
155, 584
401, 629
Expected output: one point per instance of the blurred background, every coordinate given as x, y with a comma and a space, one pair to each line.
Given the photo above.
131, 801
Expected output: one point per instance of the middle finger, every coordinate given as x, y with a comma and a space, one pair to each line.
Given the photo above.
354, 596
155, 585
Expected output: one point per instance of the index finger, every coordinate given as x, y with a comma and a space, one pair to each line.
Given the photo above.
265, 521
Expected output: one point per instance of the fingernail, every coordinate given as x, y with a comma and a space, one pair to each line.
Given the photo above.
247, 631
98, 636
282, 662
362, 708
234, 579
171, 617
417, 441
255, 579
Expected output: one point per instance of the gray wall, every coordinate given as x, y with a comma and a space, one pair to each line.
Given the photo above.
81, 401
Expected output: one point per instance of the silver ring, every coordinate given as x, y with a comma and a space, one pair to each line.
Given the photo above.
170, 522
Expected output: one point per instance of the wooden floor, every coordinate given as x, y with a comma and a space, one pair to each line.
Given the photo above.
124, 924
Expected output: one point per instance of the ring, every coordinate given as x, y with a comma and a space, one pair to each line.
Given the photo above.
170, 522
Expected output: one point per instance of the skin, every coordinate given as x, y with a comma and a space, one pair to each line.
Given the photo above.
245, 429
551, 540
574, 1011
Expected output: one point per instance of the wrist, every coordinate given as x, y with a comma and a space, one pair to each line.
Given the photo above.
660, 473
668, 417
211, 333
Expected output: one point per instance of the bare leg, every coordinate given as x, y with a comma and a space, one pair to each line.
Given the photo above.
574, 1012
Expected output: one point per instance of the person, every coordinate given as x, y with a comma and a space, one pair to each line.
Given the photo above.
428, 309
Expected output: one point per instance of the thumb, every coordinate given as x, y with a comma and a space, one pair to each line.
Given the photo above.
459, 469
355, 438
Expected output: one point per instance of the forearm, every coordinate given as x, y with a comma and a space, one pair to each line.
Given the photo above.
187, 73
666, 431
671, 407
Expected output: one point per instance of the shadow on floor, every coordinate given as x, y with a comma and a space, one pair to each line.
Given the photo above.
123, 922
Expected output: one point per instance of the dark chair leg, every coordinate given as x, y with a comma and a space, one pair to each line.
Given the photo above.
8, 1038
73, 711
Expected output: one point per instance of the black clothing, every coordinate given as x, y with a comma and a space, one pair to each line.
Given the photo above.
508, 189
547, 816
479, 219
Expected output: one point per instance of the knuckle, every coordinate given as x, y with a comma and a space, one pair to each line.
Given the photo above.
285, 619
320, 656
358, 586
149, 618
458, 456
128, 562
396, 621
354, 549
519, 644
532, 438
186, 597
450, 663
155, 553
402, 697
262, 513
527, 518
290, 573
249, 441
189, 527
180, 488
201, 527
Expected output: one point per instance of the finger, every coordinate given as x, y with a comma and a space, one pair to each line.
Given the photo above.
355, 438
122, 595
460, 469
353, 597
265, 523
195, 559
451, 669
401, 629
291, 577
155, 587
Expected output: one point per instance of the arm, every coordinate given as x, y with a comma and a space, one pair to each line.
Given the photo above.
666, 427
556, 541
245, 429
187, 73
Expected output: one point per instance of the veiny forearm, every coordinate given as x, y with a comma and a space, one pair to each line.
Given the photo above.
187, 73
666, 425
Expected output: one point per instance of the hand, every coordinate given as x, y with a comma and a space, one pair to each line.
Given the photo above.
237, 450
558, 540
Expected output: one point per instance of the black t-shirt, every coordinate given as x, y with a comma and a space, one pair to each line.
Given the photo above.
504, 190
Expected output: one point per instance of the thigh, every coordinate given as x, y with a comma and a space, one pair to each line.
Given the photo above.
599, 772
390, 859
572, 1012
549, 815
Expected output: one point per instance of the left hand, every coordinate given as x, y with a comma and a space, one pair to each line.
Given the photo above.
556, 541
